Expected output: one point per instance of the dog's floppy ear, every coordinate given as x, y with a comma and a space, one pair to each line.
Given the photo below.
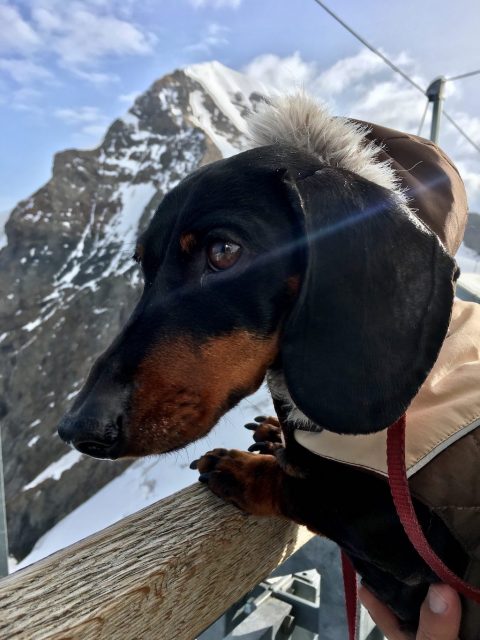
374, 306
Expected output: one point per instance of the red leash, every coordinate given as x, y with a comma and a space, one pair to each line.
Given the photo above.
397, 478
351, 597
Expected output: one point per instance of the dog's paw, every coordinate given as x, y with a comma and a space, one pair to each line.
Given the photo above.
246, 480
267, 434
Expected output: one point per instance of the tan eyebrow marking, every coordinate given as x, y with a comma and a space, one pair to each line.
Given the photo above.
293, 284
139, 252
187, 242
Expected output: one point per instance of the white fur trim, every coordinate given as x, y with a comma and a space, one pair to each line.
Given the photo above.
298, 121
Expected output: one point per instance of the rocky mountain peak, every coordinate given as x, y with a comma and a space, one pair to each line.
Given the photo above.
67, 281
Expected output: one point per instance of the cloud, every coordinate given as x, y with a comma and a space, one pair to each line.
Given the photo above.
94, 130
26, 99
81, 114
88, 121
283, 74
465, 156
215, 36
292, 73
471, 179
392, 103
85, 37
343, 73
216, 4
16, 35
24, 71
471, 126
129, 98
97, 78
47, 18
77, 36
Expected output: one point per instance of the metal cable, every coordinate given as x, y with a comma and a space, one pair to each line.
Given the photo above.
460, 130
422, 121
464, 75
371, 47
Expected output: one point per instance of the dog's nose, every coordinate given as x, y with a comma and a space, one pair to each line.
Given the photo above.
94, 436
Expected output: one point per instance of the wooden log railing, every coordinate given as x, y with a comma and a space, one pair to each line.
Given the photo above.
165, 573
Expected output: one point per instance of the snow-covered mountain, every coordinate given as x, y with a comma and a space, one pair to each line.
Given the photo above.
67, 281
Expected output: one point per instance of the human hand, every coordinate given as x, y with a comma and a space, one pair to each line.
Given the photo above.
439, 616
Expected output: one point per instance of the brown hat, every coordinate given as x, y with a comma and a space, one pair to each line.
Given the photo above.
430, 179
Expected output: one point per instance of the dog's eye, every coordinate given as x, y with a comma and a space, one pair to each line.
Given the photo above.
223, 254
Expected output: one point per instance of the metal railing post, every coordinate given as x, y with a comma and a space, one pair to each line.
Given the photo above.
435, 94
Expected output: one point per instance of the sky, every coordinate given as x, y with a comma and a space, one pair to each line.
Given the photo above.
69, 67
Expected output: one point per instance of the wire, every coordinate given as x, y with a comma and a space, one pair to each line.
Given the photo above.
371, 47
464, 75
460, 130
402, 73
422, 121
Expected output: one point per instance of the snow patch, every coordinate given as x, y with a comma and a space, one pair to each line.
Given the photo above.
56, 469
203, 119
33, 441
225, 86
230, 91
12, 564
168, 98
34, 216
72, 266
123, 228
471, 282
30, 326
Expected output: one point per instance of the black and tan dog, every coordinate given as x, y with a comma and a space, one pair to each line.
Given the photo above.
301, 260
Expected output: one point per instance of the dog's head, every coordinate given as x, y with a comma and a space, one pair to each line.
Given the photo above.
269, 260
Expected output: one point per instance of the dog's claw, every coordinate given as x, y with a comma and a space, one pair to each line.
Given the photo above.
245, 480
267, 435
265, 448
193, 464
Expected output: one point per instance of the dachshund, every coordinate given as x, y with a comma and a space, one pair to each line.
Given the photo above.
302, 261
